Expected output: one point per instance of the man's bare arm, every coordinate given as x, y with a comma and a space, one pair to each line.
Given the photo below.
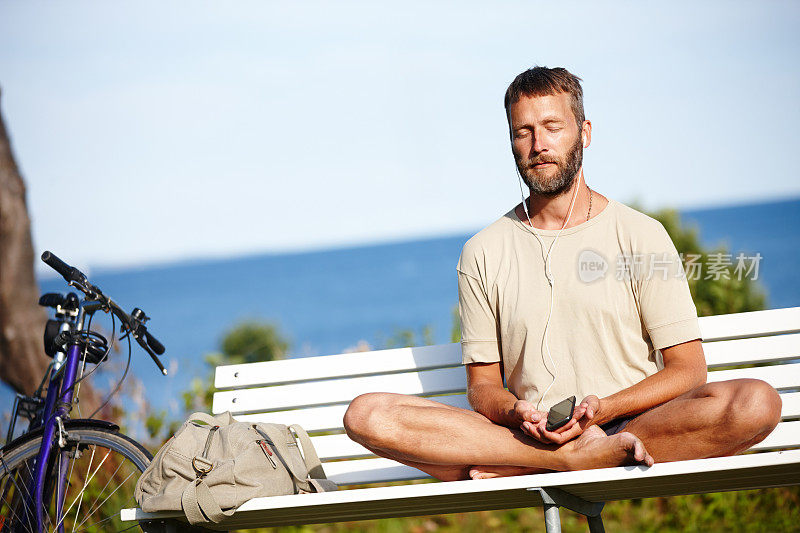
487, 395
684, 369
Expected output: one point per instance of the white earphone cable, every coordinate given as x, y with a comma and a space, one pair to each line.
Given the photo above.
549, 274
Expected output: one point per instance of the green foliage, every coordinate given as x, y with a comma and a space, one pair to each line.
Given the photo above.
404, 338
727, 294
154, 423
249, 342
455, 329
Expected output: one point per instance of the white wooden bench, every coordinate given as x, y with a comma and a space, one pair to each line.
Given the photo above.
314, 392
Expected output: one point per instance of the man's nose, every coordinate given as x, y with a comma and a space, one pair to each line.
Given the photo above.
539, 145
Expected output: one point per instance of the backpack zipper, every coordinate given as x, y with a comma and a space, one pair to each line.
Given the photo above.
207, 447
264, 444
267, 452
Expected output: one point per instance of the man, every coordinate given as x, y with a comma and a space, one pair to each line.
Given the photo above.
569, 293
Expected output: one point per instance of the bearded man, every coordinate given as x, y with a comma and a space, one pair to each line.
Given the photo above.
568, 293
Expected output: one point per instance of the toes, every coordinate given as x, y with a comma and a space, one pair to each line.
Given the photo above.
641, 455
638, 452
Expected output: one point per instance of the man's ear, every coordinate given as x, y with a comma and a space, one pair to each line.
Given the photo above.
586, 133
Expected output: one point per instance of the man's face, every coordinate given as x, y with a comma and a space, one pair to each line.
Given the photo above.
546, 142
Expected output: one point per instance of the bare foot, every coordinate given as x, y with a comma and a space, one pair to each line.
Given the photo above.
594, 449
491, 471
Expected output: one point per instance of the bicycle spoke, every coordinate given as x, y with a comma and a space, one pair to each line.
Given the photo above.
28, 519
15, 516
58, 482
99, 505
93, 524
110, 479
83, 490
80, 495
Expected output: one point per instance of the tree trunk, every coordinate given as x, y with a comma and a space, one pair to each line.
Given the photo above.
22, 357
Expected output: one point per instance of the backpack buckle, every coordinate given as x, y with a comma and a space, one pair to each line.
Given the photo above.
203, 468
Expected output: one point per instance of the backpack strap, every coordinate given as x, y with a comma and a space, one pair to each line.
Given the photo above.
278, 440
222, 419
199, 504
313, 464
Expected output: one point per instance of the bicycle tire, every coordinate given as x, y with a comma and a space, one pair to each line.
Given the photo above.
101, 467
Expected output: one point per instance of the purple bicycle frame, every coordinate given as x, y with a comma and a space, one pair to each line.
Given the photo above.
57, 405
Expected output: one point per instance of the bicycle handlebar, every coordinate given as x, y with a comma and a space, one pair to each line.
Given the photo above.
136, 326
69, 273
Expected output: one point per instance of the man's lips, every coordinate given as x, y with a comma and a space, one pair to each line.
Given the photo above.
538, 165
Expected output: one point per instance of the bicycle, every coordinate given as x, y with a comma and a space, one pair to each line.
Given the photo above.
66, 474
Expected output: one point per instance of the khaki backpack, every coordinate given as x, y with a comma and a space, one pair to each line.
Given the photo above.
212, 465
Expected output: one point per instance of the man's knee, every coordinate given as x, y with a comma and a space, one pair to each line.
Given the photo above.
367, 415
753, 407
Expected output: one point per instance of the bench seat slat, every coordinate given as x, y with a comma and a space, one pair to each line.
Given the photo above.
755, 350
664, 479
337, 366
440, 381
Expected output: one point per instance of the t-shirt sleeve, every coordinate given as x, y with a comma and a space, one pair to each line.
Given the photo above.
666, 305
479, 339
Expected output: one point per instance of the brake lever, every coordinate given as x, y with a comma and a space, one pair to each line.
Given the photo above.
139, 332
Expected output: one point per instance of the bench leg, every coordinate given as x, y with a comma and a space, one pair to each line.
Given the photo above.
552, 520
596, 524
553, 498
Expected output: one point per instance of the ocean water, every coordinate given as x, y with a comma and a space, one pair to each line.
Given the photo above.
328, 301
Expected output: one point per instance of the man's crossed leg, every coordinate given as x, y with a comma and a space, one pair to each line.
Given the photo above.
451, 443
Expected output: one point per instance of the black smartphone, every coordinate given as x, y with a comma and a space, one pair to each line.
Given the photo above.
560, 414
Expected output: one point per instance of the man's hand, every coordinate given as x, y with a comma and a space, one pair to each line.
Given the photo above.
525, 412
535, 422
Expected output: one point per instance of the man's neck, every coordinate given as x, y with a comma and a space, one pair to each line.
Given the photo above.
550, 213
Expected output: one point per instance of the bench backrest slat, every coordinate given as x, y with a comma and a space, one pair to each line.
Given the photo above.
751, 324
329, 418
439, 381
430, 382
338, 366
779, 376
753, 350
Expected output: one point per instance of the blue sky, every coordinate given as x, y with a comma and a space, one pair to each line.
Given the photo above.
152, 131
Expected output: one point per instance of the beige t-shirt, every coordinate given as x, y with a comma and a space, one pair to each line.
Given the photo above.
620, 294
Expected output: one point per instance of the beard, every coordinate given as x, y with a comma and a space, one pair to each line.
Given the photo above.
567, 169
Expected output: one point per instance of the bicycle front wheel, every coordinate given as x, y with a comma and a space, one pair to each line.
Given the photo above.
90, 480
